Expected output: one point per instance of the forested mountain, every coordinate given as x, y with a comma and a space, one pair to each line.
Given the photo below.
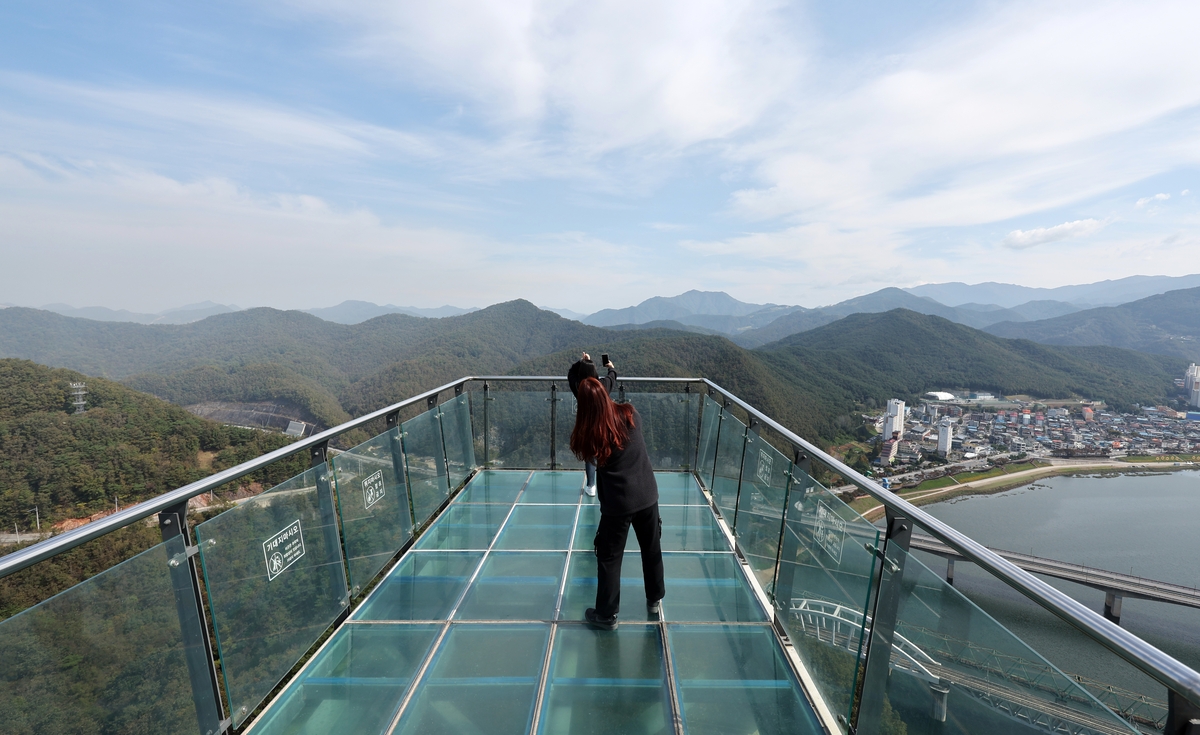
126, 444
1166, 324
901, 353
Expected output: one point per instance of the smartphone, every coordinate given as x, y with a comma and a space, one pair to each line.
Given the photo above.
604, 359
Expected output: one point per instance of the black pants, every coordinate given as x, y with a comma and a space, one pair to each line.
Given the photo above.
610, 551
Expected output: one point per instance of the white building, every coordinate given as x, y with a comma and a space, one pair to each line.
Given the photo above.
1191, 384
894, 421
945, 436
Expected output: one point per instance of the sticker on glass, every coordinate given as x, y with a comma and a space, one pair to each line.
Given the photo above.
831, 531
765, 460
373, 489
283, 549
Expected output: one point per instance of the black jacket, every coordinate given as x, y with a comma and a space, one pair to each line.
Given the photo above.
587, 369
626, 484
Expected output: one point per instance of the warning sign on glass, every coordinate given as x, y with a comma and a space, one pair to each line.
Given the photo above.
283, 549
373, 489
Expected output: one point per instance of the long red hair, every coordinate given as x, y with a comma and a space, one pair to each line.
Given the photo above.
600, 425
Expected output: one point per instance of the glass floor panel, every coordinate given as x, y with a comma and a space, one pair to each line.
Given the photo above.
355, 684
546, 527
709, 588
506, 568
603, 683
515, 586
678, 488
423, 586
554, 487
464, 527
490, 486
580, 592
483, 679
733, 679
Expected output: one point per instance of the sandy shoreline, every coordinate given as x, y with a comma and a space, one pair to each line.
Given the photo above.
1001, 483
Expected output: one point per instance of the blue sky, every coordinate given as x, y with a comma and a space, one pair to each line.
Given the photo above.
297, 153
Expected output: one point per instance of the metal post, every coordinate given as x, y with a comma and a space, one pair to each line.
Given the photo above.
397, 447
553, 426
487, 455
688, 461
328, 509
712, 477
751, 429
185, 582
787, 500
869, 718
1183, 717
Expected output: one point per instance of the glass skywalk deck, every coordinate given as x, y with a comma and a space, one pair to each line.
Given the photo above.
433, 578
483, 614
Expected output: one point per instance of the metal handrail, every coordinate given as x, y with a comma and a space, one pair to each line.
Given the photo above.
1160, 666
55, 545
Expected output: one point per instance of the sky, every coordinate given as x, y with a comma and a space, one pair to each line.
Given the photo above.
583, 155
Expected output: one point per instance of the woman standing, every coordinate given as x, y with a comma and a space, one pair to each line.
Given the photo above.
610, 436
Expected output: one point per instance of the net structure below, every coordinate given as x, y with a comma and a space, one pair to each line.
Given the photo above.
479, 628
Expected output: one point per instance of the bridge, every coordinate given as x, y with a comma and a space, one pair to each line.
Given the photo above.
1114, 585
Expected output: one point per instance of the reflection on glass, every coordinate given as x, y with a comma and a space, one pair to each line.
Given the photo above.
824, 587
514, 586
483, 679
542, 527
423, 586
728, 466
708, 587
953, 669
706, 453
355, 684
678, 488
733, 679
273, 567
426, 464
669, 427
494, 486
519, 429
765, 473
554, 487
564, 424
105, 656
602, 682
456, 436
373, 504
580, 592
464, 527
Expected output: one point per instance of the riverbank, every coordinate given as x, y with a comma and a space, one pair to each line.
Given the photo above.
872, 510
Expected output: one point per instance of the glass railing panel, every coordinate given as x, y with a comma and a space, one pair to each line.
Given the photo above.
706, 449
519, 429
273, 568
765, 475
564, 423
426, 464
373, 505
108, 655
457, 438
669, 427
355, 684
824, 587
954, 669
728, 466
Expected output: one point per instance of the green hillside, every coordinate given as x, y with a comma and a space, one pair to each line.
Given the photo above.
1166, 324
901, 353
127, 444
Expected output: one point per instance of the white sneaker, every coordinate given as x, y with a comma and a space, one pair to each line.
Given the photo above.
590, 490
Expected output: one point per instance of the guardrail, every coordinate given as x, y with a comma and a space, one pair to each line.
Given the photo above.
1182, 682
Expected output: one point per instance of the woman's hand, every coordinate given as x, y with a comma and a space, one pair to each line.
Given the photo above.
609, 365
586, 356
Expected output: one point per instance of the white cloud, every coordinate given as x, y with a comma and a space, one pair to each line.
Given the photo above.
1156, 198
1185, 192
1022, 239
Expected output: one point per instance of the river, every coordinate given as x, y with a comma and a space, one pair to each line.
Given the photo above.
1142, 524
